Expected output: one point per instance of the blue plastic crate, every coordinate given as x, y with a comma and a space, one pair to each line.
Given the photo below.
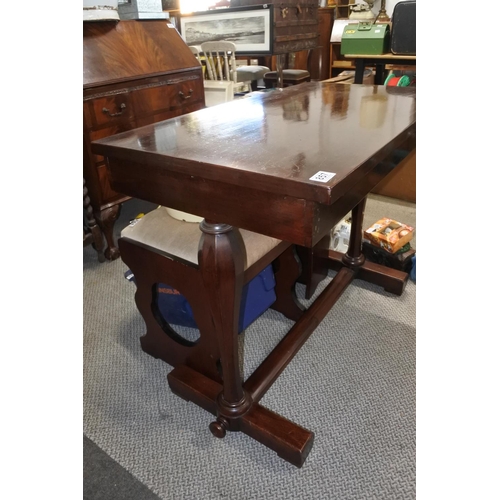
257, 296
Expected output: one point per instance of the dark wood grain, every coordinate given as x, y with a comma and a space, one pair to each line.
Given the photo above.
319, 59
134, 73
268, 160
295, 26
248, 164
129, 50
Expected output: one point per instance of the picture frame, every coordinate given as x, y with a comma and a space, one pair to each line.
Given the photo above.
249, 28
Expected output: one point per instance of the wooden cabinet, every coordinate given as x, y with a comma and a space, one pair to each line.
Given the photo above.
134, 73
319, 59
338, 63
315, 60
342, 9
295, 25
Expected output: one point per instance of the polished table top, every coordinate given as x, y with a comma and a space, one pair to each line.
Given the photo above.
264, 151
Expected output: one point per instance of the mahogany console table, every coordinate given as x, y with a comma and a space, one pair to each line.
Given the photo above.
255, 164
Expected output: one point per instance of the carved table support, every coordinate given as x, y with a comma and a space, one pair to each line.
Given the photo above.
289, 440
287, 270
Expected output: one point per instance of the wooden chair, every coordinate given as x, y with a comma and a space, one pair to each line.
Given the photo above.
220, 60
216, 91
196, 49
221, 65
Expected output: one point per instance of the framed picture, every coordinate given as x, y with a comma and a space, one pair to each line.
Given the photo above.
250, 28
168, 5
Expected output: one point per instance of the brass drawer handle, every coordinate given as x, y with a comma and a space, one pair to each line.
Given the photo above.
186, 96
122, 107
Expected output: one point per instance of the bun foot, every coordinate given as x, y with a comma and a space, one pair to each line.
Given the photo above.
218, 428
112, 253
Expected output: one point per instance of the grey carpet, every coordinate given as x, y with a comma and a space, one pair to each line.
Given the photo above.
353, 384
105, 479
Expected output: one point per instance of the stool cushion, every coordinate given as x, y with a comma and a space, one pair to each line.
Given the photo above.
158, 230
289, 74
250, 73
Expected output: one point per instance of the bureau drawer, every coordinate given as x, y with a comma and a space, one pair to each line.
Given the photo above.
170, 95
109, 110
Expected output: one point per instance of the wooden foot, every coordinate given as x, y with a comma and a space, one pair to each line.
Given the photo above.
392, 280
290, 441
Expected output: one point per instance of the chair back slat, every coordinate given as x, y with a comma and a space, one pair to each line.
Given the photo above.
220, 60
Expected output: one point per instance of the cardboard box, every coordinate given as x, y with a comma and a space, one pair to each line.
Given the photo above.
401, 260
389, 234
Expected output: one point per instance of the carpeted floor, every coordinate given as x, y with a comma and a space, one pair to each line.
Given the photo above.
352, 384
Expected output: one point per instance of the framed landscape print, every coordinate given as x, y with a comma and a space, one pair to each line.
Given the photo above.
250, 28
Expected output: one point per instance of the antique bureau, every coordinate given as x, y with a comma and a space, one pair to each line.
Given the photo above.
134, 73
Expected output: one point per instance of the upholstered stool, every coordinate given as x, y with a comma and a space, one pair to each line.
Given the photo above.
290, 77
252, 74
160, 249
170, 235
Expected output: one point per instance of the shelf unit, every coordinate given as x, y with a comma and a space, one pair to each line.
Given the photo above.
342, 8
337, 60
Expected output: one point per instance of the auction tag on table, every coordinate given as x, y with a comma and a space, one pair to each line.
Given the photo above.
322, 176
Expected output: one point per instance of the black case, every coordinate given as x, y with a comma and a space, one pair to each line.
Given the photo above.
404, 28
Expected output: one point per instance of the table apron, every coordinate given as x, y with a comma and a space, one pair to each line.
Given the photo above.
296, 220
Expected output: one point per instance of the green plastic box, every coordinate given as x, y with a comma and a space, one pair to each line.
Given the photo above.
365, 38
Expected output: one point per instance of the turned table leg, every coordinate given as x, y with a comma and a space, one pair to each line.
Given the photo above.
354, 257
392, 280
221, 258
